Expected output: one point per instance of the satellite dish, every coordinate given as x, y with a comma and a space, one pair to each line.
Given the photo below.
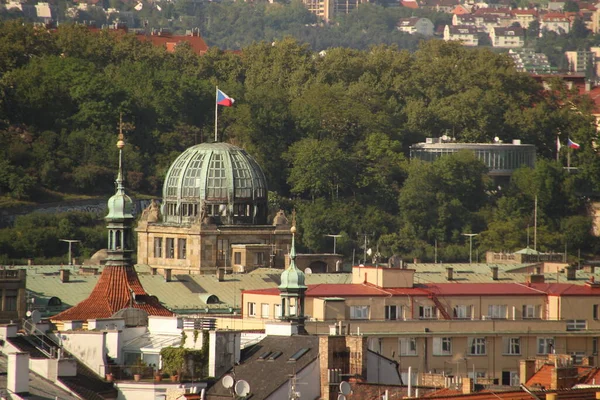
307, 271
496, 139
345, 388
242, 388
341, 397
227, 381
444, 138
28, 313
35, 316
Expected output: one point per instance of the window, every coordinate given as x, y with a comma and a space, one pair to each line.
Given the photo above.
237, 258
427, 312
442, 346
531, 311
207, 253
359, 312
252, 309
595, 311
158, 247
477, 346
391, 313
510, 378
170, 253
408, 346
259, 258
511, 346
497, 311
462, 312
181, 248
576, 324
10, 300
264, 310
577, 357
277, 310
545, 345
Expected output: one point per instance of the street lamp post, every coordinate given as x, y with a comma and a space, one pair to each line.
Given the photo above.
470, 235
70, 241
334, 241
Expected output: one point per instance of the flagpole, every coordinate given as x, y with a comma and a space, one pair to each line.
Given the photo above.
216, 111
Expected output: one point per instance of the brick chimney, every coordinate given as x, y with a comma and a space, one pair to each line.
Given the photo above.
220, 274
167, 275
535, 278
571, 272
494, 273
17, 379
449, 273
65, 274
526, 370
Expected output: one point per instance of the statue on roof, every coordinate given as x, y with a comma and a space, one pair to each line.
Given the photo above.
151, 213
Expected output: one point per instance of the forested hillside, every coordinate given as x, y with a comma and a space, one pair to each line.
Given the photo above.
331, 131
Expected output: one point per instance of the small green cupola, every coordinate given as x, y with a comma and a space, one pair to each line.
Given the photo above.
292, 278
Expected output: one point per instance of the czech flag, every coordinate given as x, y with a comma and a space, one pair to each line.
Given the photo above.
223, 99
573, 145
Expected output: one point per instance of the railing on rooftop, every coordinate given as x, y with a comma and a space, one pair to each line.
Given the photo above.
127, 372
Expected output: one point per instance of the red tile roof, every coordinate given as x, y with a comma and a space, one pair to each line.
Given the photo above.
170, 42
409, 4
444, 289
118, 287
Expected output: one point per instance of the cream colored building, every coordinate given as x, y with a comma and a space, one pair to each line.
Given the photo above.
213, 215
466, 34
456, 328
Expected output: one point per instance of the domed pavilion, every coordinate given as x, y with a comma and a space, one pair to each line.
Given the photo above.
213, 215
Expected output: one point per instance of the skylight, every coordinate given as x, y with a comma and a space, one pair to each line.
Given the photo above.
297, 355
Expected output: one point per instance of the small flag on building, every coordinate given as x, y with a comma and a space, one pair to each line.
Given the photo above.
573, 145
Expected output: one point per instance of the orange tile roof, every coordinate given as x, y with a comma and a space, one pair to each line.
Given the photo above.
170, 42
542, 378
409, 4
118, 287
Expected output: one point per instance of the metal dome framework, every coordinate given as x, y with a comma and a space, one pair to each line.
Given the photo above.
216, 180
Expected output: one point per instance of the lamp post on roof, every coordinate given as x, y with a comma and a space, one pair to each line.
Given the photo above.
470, 235
334, 240
70, 241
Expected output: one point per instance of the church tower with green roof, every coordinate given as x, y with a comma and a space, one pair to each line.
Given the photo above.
292, 288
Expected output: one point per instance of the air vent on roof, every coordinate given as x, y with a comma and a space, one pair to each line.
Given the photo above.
297, 355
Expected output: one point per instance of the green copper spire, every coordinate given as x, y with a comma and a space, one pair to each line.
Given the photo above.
292, 278
120, 206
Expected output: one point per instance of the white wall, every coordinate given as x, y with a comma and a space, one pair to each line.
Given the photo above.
47, 368
166, 325
223, 351
310, 387
381, 370
87, 346
113, 344
17, 380
106, 323
154, 391
7, 331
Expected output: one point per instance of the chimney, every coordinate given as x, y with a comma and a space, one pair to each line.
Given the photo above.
17, 377
535, 278
154, 270
449, 273
526, 370
588, 85
65, 275
494, 273
220, 274
467, 385
571, 272
167, 275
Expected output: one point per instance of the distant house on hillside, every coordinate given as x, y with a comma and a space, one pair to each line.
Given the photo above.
524, 16
513, 36
415, 25
556, 22
466, 34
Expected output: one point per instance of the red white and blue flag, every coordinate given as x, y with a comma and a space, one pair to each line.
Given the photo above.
223, 99
573, 145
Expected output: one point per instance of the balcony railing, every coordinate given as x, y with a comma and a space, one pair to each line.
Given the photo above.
127, 372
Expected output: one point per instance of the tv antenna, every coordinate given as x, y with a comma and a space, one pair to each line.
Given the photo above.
334, 241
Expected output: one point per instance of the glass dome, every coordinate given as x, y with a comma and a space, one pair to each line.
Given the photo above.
216, 180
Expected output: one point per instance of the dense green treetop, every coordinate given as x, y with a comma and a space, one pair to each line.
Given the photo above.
331, 130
